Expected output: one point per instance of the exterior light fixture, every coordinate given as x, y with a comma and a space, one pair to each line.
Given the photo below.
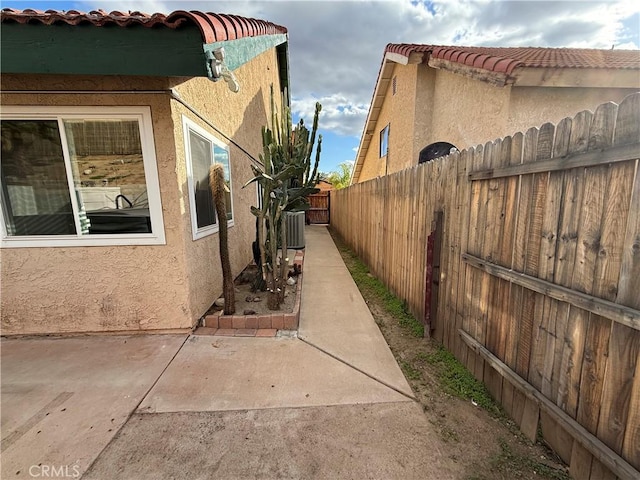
219, 70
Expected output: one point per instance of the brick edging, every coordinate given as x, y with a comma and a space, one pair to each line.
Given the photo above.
257, 325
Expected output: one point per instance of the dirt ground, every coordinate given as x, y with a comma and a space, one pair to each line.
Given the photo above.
256, 301
486, 446
111, 170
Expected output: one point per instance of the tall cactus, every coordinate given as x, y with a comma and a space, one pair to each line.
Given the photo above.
218, 188
286, 177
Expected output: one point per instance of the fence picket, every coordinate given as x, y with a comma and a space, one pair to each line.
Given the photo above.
573, 350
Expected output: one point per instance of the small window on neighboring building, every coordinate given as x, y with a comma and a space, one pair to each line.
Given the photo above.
384, 141
202, 151
394, 85
79, 176
436, 150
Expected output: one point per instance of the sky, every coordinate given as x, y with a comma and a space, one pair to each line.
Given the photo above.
336, 47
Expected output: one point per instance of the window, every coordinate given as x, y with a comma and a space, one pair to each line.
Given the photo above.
384, 141
436, 150
202, 151
77, 176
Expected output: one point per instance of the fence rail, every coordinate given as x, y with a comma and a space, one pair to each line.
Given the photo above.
539, 268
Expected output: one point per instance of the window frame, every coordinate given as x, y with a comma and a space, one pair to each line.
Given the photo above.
141, 114
384, 133
202, 232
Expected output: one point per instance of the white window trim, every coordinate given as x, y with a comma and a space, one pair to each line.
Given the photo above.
143, 116
198, 233
387, 129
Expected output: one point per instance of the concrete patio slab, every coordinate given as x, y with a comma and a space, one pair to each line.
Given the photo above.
235, 373
380, 441
335, 318
63, 399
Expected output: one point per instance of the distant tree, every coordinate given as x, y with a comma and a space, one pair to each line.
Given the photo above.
341, 178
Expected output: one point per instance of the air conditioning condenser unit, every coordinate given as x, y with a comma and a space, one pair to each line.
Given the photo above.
295, 229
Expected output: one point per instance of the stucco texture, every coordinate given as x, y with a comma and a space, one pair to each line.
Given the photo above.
533, 106
425, 96
467, 112
374, 165
128, 288
402, 120
398, 112
241, 117
434, 105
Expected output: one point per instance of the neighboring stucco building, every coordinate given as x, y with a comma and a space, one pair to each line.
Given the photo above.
324, 185
109, 125
465, 96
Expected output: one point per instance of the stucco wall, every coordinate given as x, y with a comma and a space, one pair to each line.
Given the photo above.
375, 166
324, 186
398, 112
431, 106
425, 96
72, 289
83, 289
239, 116
467, 112
532, 106
403, 106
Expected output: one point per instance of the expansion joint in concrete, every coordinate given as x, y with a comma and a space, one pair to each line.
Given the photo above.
142, 397
372, 377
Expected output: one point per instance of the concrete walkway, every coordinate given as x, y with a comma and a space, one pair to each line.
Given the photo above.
336, 319
332, 403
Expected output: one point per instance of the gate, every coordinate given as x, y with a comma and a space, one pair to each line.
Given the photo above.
432, 282
319, 210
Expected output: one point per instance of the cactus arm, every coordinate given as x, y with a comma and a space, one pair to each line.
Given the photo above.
312, 179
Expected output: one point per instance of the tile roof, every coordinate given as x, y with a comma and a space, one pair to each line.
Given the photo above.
214, 27
506, 59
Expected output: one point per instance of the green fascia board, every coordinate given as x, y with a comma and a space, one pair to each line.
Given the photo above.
113, 50
240, 51
108, 50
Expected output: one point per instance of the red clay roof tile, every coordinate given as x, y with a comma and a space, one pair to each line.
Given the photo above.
480, 61
506, 59
465, 56
213, 27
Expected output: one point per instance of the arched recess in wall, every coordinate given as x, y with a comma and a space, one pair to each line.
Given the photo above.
435, 150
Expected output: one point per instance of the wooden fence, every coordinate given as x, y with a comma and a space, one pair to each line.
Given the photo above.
539, 285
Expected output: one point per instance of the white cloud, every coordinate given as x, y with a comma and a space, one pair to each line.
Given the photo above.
339, 114
336, 47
